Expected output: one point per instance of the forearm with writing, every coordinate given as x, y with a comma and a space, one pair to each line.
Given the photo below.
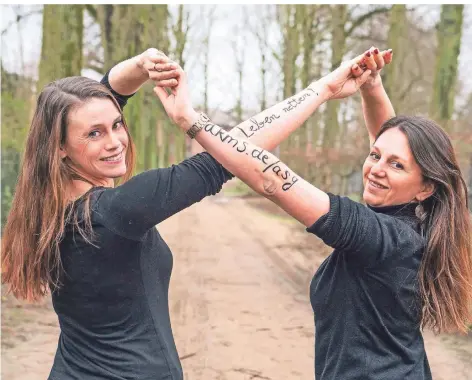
377, 109
272, 126
265, 173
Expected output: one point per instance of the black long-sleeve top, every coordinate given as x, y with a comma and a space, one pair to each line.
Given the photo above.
113, 303
365, 294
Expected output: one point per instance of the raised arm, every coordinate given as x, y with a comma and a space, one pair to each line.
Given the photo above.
261, 170
128, 76
376, 105
273, 125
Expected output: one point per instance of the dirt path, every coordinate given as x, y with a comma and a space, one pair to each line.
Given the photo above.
239, 302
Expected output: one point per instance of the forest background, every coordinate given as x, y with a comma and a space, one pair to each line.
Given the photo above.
241, 59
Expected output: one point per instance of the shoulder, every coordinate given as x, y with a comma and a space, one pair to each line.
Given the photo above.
365, 235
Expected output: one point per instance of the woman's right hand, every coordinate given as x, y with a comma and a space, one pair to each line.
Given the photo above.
178, 103
373, 60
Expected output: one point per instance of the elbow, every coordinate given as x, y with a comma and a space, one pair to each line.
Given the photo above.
268, 185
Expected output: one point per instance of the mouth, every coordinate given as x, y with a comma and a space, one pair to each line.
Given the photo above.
115, 158
376, 184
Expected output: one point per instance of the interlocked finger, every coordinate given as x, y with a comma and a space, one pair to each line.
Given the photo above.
387, 56
167, 83
159, 67
379, 61
356, 70
370, 61
151, 62
163, 75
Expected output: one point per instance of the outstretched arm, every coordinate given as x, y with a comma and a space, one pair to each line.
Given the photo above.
261, 170
272, 126
376, 105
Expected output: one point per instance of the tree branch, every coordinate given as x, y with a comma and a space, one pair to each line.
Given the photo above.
20, 18
357, 22
91, 66
408, 88
92, 10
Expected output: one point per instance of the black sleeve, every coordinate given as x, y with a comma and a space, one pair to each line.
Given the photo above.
121, 99
147, 199
366, 236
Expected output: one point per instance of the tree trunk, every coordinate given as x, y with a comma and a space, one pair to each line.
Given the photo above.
291, 37
449, 43
61, 50
126, 32
338, 47
397, 42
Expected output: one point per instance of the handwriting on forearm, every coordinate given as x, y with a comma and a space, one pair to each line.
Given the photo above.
241, 146
257, 125
292, 103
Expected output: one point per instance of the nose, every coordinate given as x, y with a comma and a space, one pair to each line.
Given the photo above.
113, 142
377, 169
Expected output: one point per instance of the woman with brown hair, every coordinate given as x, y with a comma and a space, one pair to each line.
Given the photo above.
71, 231
400, 264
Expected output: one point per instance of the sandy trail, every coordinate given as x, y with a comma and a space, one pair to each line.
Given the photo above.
239, 302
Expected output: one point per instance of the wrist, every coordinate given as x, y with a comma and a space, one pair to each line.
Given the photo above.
322, 89
187, 119
372, 87
138, 62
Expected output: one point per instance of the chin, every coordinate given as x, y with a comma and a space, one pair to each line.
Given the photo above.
370, 199
117, 173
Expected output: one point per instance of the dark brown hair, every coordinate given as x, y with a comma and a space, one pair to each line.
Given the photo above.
31, 259
445, 276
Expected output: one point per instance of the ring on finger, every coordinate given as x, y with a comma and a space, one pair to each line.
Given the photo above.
158, 70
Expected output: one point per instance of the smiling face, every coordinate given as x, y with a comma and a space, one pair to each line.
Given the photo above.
96, 141
391, 175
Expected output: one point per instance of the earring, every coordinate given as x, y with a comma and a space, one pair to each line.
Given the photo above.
420, 212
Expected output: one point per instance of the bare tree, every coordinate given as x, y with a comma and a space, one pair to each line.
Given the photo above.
449, 33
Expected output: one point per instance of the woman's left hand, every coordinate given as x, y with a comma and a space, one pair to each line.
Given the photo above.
158, 67
341, 82
374, 60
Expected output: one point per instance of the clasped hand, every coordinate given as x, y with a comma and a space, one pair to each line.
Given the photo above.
360, 72
356, 73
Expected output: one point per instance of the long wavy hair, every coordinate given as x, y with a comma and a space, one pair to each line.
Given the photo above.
445, 275
31, 261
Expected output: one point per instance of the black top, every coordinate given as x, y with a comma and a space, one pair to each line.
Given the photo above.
365, 294
113, 305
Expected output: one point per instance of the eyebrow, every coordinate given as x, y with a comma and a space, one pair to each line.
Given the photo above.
99, 124
394, 156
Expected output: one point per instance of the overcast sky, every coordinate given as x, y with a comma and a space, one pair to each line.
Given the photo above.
23, 44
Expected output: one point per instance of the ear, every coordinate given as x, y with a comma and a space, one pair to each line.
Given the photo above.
428, 189
62, 153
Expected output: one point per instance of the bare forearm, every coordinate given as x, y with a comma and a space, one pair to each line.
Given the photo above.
272, 126
264, 173
377, 109
128, 76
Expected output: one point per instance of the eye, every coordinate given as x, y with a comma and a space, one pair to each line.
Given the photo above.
94, 133
397, 165
374, 156
118, 124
